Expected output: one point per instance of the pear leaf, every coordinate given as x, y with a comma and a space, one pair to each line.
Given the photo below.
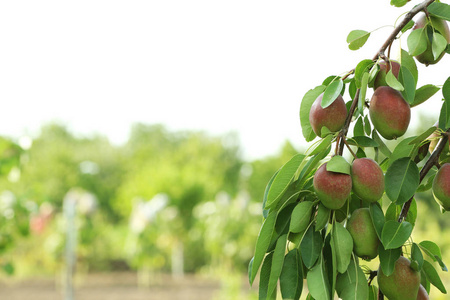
357, 38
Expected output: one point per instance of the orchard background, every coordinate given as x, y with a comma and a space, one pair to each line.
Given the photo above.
172, 210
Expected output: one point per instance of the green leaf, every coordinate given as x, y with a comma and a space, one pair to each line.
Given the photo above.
362, 92
322, 217
408, 61
283, 179
403, 149
266, 192
424, 93
388, 259
362, 141
446, 89
291, 278
398, 3
363, 67
423, 136
408, 26
376, 213
373, 292
311, 247
440, 10
412, 213
262, 243
393, 82
338, 164
331, 93
402, 180
301, 216
444, 115
321, 146
416, 255
353, 283
357, 38
318, 284
305, 108
433, 276
264, 278
431, 249
409, 84
343, 246
358, 130
438, 44
367, 127
417, 41
277, 263
395, 234
382, 146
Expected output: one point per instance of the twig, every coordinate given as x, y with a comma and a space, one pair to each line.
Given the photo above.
432, 161
349, 149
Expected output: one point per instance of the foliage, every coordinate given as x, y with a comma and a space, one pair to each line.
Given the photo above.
300, 238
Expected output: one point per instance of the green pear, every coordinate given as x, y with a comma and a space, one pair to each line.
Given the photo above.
365, 239
389, 112
380, 79
402, 284
441, 186
332, 188
332, 117
367, 179
427, 57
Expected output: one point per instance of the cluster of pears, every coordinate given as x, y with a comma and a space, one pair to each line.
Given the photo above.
366, 180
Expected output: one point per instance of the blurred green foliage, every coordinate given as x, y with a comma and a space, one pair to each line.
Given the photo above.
210, 220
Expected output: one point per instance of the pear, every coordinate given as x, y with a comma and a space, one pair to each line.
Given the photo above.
439, 25
332, 188
367, 179
389, 112
332, 117
402, 284
380, 79
422, 294
365, 239
441, 186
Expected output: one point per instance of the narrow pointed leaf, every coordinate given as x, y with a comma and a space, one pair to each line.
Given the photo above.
409, 84
433, 276
424, 93
393, 82
376, 213
310, 247
277, 263
318, 284
343, 246
291, 278
438, 44
301, 216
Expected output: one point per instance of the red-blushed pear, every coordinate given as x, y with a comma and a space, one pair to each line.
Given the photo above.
402, 284
385, 67
367, 179
441, 186
427, 57
333, 117
422, 294
389, 112
332, 188
365, 239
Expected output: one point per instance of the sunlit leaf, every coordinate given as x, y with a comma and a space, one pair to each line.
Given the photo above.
305, 108
440, 10
332, 91
424, 93
438, 44
417, 41
357, 38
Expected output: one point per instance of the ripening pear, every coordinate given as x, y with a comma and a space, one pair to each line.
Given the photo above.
439, 25
402, 284
422, 294
389, 112
380, 80
365, 239
367, 179
441, 186
333, 117
332, 188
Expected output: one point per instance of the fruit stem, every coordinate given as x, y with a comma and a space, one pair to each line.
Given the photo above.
432, 161
349, 149
344, 130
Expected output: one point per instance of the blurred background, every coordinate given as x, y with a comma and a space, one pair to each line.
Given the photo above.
138, 137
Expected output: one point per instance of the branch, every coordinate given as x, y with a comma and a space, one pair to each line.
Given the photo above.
348, 120
408, 17
433, 160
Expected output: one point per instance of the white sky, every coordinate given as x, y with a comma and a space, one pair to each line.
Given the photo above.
220, 66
